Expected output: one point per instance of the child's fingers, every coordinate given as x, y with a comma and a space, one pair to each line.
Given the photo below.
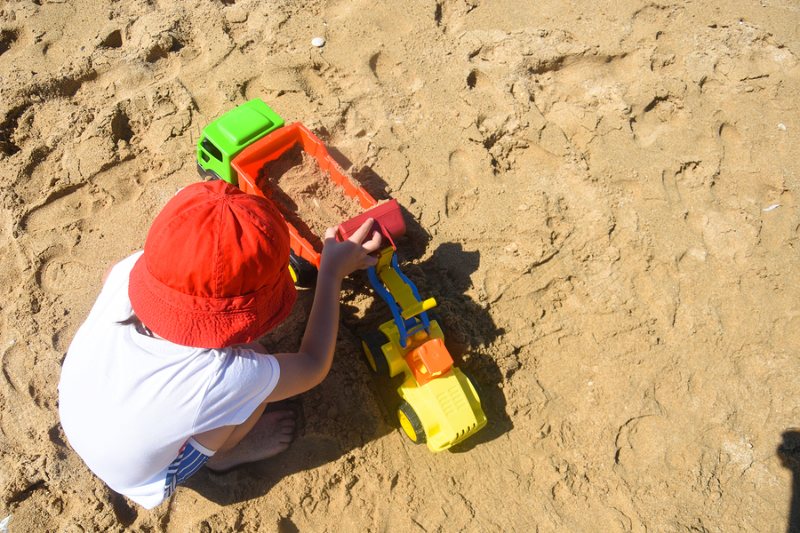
330, 233
358, 236
373, 244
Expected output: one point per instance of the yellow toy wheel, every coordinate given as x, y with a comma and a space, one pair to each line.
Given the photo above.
372, 344
476, 388
410, 423
303, 273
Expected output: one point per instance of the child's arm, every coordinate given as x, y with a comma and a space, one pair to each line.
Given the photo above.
304, 370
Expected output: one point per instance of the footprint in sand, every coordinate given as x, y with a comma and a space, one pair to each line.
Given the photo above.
15, 365
156, 36
382, 67
61, 208
391, 72
662, 115
449, 15
61, 274
468, 167
478, 80
314, 81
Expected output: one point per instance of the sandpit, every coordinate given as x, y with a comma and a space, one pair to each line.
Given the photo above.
603, 198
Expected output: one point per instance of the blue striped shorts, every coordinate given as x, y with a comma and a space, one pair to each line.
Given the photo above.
191, 458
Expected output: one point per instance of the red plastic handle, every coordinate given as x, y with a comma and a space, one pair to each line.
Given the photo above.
388, 222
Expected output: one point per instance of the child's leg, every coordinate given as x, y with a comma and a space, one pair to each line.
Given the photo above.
259, 437
226, 437
222, 449
271, 434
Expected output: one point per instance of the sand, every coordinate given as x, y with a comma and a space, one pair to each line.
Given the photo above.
589, 190
307, 196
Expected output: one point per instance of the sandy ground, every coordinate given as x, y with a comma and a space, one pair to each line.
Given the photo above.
590, 191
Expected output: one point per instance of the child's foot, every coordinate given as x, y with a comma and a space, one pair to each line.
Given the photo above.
271, 435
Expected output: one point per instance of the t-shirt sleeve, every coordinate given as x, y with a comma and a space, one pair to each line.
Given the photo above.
244, 380
112, 304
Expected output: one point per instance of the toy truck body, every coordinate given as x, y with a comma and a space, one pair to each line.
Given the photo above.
222, 140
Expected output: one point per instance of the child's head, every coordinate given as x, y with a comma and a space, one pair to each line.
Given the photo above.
215, 268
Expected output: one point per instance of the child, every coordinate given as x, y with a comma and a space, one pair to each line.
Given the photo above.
160, 379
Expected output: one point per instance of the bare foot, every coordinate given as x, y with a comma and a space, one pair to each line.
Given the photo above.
271, 435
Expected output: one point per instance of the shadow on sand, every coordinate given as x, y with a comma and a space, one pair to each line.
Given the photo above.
468, 328
789, 452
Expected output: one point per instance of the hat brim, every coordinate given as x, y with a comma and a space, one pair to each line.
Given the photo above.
208, 322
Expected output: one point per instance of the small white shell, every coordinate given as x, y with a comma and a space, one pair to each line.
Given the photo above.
782, 126
319, 42
770, 208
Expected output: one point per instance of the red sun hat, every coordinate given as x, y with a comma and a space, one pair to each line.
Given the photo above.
215, 268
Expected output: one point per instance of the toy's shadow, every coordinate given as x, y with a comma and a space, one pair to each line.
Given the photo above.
468, 327
469, 331
789, 452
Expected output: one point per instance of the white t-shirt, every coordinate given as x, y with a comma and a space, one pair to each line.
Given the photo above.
128, 402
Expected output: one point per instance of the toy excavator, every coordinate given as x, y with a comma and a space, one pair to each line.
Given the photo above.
440, 403
440, 406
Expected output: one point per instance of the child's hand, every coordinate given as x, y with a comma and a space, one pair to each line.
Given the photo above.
342, 258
